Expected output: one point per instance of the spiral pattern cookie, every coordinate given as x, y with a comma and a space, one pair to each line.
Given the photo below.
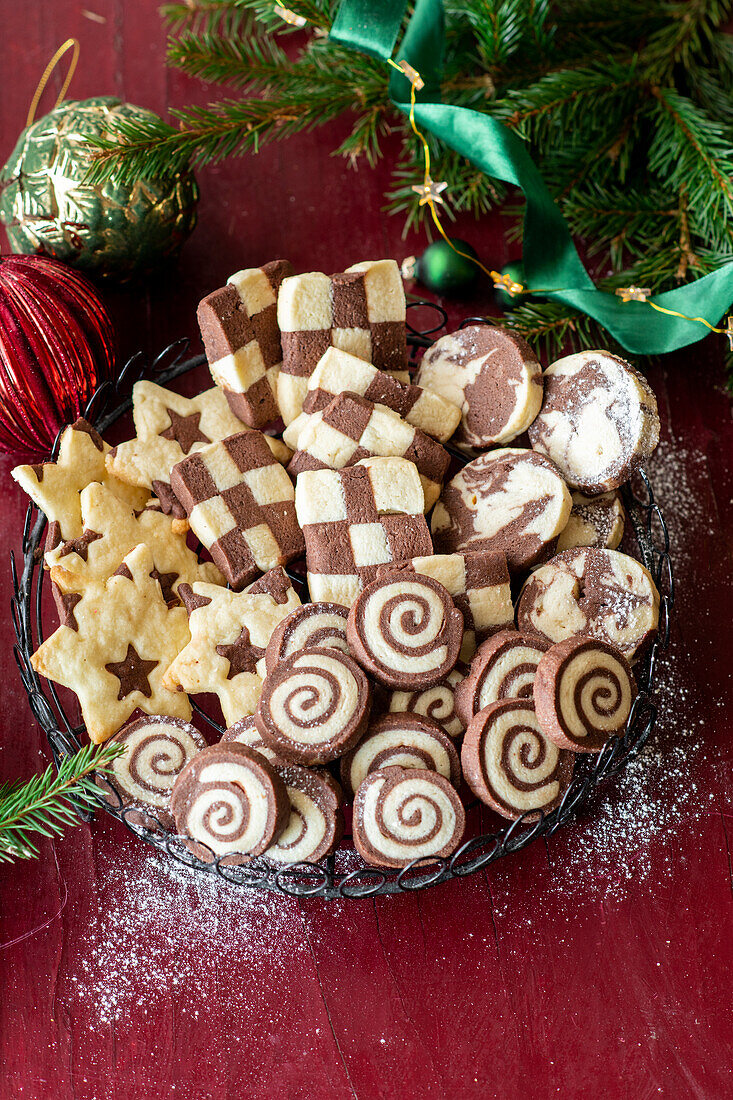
229, 800
245, 732
511, 765
316, 821
401, 740
158, 748
584, 691
405, 814
405, 630
503, 667
602, 593
437, 702
598, 420
510, 501
314, 706
314, 625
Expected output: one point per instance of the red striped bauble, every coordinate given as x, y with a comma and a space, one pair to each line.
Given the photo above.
56, 346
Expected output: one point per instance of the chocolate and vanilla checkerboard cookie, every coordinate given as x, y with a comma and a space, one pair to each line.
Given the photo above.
240, 504
351, 428
360, 310
355, 520
337, 372
241, 338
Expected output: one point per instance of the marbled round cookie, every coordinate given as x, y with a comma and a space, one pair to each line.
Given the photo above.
245, 732
492, 375
437, 702
594, 521
402, 740
405, 630
510, 764
503, 667
602, 593
314, 706
405, 814
158, 747
321, 625
584, 691
598, 421
316, 821
513, 502
229, 801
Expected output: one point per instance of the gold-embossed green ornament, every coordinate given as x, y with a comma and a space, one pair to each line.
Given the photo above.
108, 230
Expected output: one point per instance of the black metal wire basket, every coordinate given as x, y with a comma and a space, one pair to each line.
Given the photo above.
343, 875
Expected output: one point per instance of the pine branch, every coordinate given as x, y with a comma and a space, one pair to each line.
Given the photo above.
44, 805
554, 327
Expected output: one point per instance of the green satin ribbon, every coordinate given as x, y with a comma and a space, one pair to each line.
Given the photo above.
550, 258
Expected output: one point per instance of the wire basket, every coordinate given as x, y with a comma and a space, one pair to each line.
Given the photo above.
342, 875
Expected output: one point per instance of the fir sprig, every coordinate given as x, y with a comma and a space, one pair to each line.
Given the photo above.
44, 805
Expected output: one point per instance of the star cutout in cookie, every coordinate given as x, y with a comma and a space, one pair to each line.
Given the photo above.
229, 634
185, 430
116, 642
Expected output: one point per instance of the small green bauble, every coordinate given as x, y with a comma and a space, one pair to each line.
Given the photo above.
442, 270
109, 230
515, 271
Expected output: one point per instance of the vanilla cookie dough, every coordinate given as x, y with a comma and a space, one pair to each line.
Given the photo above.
492, 375
601, 593
594, 521
598, 421
514, 503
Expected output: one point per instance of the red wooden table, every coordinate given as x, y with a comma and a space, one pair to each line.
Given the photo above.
597, 964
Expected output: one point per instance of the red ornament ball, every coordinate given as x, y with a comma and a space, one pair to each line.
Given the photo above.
56, 346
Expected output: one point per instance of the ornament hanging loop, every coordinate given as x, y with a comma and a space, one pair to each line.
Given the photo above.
69, 44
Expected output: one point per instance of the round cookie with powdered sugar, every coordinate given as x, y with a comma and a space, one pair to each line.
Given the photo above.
594, 521
598, 420
492, 375
600, 593
513, 502
503, 667
314, 624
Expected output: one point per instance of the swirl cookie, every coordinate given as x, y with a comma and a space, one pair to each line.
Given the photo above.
314, 625
316, 821
503, 667
594, 521
436, 702
246, 733
401, 740
583, 692
158, 747
492, 375
511, 765
514, 503
314, 706
602, 593
405, 630
598, 421
401, 815
229, 800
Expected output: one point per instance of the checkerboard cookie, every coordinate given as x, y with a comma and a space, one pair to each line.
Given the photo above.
111, 530
168, 428
55, 486
479, 586
355, 520
229, 635
241, 504
360, 310
238, 324
351, 428
115, 642
338, 372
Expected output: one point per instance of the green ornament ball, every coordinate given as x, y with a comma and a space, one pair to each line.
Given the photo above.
442, 270
109, 230
515, 271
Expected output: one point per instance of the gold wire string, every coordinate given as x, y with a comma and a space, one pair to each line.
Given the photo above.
69, 44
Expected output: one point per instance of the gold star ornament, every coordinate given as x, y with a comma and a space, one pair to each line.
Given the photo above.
633, 293
429, 191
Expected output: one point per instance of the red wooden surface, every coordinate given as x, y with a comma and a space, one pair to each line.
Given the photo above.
595, 965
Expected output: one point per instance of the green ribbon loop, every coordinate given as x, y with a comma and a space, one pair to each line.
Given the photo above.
550, 258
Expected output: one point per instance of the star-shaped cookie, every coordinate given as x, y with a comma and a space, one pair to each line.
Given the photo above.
229, 635
168, 428
112, 530
114, 646
55, 486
